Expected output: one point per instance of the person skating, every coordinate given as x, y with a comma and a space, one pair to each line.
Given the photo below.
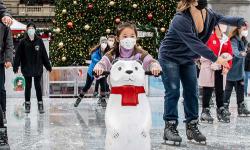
96, 54
183, 43
235, 77
212, 74
31, 54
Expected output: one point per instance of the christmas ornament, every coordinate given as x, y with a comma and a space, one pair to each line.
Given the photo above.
60, 45
108, 31
90, 6
135, 5
163, 29
86, 27
75, 2
70, 25
64, 58
57, 30
111, 3
64, 11
117, 20
150, 16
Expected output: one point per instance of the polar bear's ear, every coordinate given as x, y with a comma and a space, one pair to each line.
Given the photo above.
115, 61
139, 61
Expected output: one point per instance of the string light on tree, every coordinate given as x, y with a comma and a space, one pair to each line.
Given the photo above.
108, 31
60, 45
111, 3
86, 27
64, 11
163, 29
135, 6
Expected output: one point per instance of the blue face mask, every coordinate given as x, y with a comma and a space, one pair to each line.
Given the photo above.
31, 33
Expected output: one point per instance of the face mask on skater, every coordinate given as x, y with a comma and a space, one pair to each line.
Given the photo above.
31, 33
128, 43
201, 4
244, 33
110, 44
104, 46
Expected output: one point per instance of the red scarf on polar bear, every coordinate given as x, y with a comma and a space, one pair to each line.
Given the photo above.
129, 94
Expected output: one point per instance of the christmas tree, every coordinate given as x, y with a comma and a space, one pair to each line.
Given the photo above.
79, 24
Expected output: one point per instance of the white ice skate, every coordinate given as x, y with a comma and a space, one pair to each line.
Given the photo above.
128, 115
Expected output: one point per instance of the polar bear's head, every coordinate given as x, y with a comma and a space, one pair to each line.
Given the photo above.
127, 73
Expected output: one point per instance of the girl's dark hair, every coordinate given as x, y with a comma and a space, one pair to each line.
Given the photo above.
111, 36
116, 51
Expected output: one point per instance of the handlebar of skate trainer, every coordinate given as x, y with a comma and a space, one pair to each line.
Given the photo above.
107, 73
149, 73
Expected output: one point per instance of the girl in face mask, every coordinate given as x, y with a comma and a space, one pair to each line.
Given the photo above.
235, 76
111, 41
183, 44
96, 54
211, 75
126, 48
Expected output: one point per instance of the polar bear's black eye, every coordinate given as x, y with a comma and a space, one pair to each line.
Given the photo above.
136, 68
120, 68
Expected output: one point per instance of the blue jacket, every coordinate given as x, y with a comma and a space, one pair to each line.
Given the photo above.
182, 44
96, 56
236, 73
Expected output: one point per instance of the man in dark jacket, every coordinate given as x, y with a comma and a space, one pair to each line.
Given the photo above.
6, 56
32, 56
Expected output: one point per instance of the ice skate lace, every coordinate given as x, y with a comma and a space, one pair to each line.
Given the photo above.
194, 127
173, 129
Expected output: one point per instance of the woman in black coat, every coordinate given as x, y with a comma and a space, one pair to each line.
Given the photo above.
32, 56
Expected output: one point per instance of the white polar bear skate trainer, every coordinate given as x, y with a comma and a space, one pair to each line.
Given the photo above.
128, 115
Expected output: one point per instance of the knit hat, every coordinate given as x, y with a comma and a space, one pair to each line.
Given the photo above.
31, 24
103, 39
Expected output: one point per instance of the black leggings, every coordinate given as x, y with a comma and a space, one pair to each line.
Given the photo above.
97, 83
239, 88
89, 82
28, 85
207, 91
2, 88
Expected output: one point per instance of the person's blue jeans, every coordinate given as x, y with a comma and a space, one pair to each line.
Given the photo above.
173, 73
247, 76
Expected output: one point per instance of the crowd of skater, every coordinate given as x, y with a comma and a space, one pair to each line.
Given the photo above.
196, 35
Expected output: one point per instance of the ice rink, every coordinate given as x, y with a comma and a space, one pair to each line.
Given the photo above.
64, 127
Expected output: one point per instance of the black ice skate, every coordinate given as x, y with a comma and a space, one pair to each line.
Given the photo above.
4, 139
78, 100
222, 115
95, 94
206, 115
193, 133
102, 101
171, 133
242, 110
27, 107
40, 107
4, 118
226, 106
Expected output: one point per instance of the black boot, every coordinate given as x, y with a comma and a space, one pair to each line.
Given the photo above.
171, 133
102, 101
40, 107
78, 100
226, 106
4, 118
4, 139
242, 110
193, 133
27, 107
206, 115
222, 115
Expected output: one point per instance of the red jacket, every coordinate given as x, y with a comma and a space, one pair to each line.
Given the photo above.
214, 44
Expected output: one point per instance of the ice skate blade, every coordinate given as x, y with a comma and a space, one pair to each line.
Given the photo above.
171, 143
244, 115
197, 142
206, 121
